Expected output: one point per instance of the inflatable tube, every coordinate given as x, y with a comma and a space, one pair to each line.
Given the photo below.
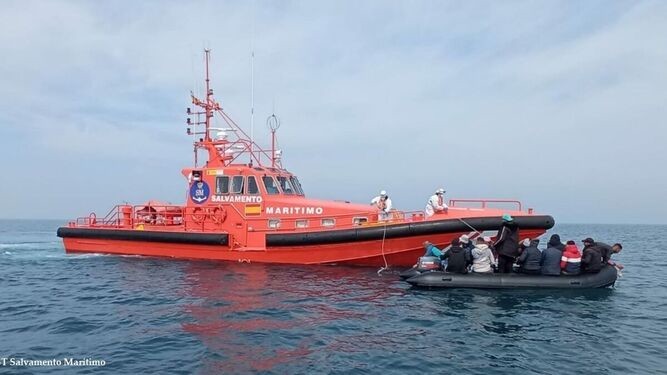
438, 279
145, 236
409, 273
404, 230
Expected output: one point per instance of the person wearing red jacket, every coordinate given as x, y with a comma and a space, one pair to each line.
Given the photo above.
570, 262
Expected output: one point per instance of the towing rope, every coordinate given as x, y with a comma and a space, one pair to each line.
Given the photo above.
386, 266
470, 226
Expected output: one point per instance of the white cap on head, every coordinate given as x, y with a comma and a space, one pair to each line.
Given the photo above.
487, 239
464, 238
526, 242
383, 192
440, 191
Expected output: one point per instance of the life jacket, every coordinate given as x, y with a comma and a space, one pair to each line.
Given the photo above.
440, 200
382, 204
571, 260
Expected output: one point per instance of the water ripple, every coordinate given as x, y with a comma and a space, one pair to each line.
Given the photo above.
148, 315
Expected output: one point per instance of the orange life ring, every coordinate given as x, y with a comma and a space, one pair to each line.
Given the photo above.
198, 215
219, 214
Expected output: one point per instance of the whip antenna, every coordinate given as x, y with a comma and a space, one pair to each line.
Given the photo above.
252, 82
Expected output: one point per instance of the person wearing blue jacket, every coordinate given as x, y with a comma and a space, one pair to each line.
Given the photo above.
551, 257
529, 260
431, 251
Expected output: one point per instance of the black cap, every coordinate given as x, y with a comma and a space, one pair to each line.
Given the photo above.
570, 242
587, 240
456, 242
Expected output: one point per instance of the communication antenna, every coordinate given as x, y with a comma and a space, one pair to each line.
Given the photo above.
252, 82
273, 123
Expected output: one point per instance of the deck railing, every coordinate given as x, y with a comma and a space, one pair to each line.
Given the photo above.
484, 203
126, 216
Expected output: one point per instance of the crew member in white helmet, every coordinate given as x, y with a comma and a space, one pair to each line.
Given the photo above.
383, 204
436, 204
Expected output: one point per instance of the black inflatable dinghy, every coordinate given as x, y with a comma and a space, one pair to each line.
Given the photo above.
438, 279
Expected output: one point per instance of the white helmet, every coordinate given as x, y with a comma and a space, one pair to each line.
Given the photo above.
440, 191
383, 192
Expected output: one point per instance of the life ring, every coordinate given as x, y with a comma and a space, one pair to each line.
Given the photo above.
198, 215
92, 218
219, 214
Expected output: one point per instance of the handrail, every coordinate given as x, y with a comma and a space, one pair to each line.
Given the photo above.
171, 215
484, 202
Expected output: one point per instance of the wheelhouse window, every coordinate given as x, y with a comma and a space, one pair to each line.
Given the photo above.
285, 185
270, 185
252, 185
222, 185
237, 185
296, 185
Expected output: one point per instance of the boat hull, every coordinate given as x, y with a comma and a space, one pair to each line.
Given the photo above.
397, 244
438, 279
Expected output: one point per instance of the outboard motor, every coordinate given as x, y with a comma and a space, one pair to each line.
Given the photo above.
424, 264
428, 264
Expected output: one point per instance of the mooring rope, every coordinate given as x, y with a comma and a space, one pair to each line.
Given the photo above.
386, 266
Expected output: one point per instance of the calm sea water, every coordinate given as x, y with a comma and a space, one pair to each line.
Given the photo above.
147, 315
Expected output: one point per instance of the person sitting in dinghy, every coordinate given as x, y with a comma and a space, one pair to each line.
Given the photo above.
591, 258
551, 257
570, 262
483, 260
529, 260
431, 250
457, 258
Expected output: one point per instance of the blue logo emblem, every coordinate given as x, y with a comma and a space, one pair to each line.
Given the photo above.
199, 192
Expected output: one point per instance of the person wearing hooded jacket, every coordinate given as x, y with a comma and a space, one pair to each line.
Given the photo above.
482, 258
529, 260
507, 244
436, 203
457, 258
570, 262
467, 244
591, 259
551, 257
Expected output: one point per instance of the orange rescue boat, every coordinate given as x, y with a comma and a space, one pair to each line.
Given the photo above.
258, 212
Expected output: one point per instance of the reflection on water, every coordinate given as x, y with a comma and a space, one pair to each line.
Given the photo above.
238, 310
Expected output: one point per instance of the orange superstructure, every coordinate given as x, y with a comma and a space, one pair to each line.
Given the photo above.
244, 206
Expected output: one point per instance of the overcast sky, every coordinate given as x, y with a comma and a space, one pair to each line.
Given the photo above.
561, 104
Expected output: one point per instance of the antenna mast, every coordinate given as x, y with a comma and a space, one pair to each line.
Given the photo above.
209, 93
252, 82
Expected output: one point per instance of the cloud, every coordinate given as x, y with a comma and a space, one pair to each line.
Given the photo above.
557, 103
